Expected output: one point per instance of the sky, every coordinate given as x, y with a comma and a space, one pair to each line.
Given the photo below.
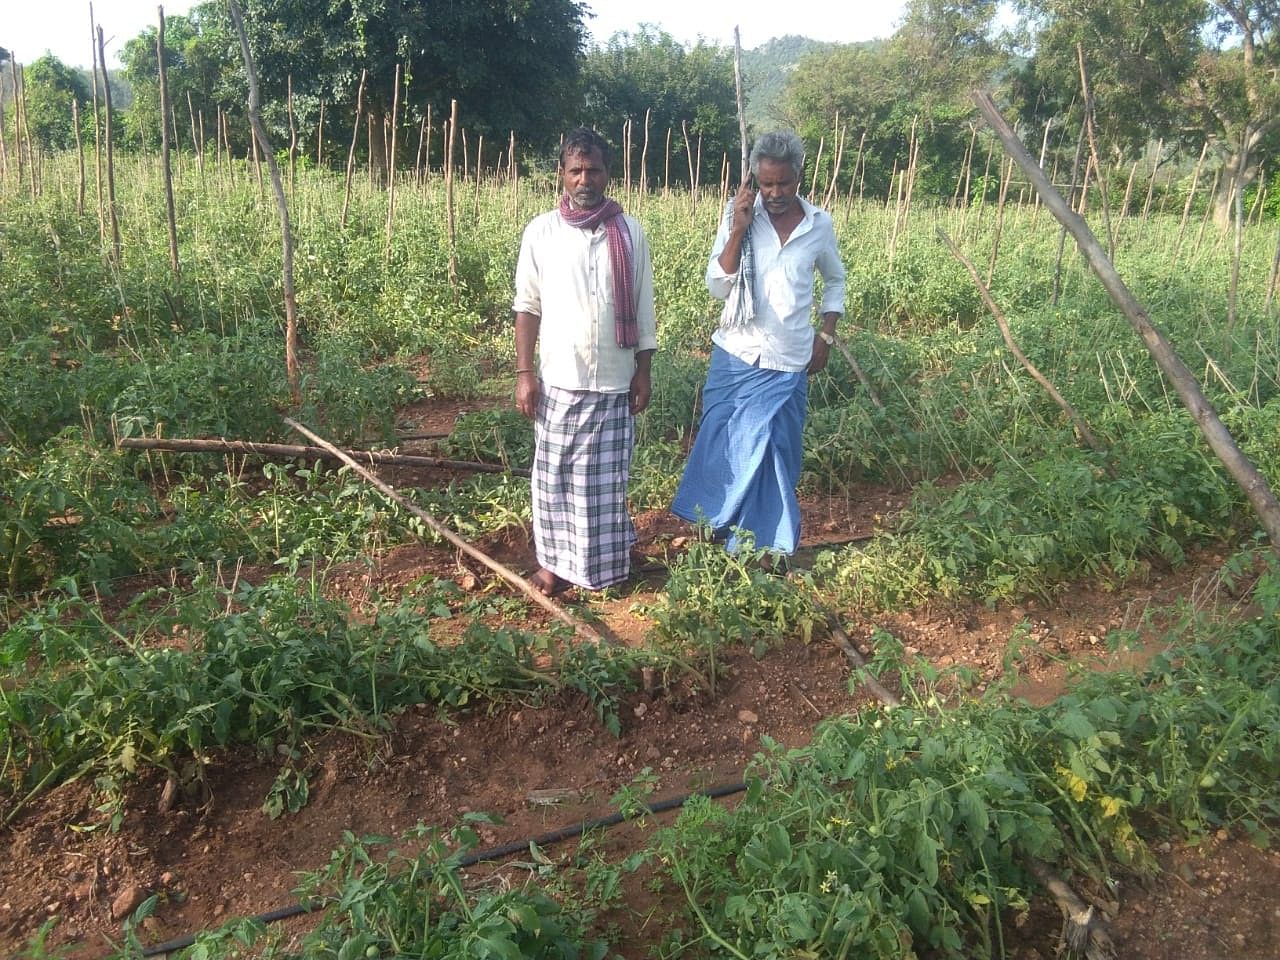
31, 27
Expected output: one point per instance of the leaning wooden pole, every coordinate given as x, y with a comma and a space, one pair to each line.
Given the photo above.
282, 206
1242, 470
1082, 427
517, 581
165, 151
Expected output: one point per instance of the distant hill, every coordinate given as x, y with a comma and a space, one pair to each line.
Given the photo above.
764, 73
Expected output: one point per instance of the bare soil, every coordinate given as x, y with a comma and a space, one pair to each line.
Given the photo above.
219, 857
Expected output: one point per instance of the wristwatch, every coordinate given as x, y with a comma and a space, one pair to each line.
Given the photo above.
828, 338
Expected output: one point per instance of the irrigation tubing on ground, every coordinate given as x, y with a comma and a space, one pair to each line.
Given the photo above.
481, 856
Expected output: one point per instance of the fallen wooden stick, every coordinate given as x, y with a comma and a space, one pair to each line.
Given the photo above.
501, 570
841, 640
1083, 931
290, 450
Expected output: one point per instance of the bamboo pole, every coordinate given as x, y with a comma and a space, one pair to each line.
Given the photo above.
693, 180
517, 581
1081, 425
1241, 469
666, 165
196, 145
282, 206
644, 154
475, 193
287, 451
24, 117
351, 152
1191, 194
833, 189
449, 219
1062, 234
293, 134
111, 169
1151, 184
1208, 213
80, 184
1005, 179
320, 138
1233, 294
391, 168
165, 151
1094, 154
4, 147
17, 122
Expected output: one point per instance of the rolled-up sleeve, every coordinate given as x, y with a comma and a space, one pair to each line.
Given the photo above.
528, 297
832, 270
720, 283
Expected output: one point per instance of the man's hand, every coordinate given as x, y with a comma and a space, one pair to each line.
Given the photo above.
528, 390
641, 390
820, 355
744, 207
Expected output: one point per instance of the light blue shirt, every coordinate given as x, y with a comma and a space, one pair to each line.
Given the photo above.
781, 335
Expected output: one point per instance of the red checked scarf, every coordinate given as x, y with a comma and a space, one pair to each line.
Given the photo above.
624, 298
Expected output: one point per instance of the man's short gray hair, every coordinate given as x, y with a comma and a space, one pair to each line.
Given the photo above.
782, 146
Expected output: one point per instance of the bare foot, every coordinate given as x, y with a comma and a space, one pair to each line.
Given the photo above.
548, 584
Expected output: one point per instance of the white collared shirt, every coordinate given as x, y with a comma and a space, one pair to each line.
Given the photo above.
564, 277
781, 335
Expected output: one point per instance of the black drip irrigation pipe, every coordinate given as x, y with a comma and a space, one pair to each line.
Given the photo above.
480, 856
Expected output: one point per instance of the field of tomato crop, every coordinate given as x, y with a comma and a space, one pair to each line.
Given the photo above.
1003, 659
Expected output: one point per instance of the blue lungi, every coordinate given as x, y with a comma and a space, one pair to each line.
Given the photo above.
746, 459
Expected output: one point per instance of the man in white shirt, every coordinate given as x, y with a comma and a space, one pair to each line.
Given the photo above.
745, 463
584, 302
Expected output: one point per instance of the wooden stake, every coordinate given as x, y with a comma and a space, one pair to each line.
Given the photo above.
80, 185
450, 223
644, 154
111, 170
293, 134
320, 138
282, 206
165, 148
391, 167
741, 100
351, 152
517, 581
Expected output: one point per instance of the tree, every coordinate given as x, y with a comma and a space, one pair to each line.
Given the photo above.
51, 85
1204, 70
919, 78
512, 65
651, 71
198, 72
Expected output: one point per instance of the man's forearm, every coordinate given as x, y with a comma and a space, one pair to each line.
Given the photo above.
527, 326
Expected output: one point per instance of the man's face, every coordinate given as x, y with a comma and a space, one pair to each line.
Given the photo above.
585, 178
778, 185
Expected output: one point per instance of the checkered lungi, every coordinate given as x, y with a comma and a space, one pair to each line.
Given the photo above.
582, 531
